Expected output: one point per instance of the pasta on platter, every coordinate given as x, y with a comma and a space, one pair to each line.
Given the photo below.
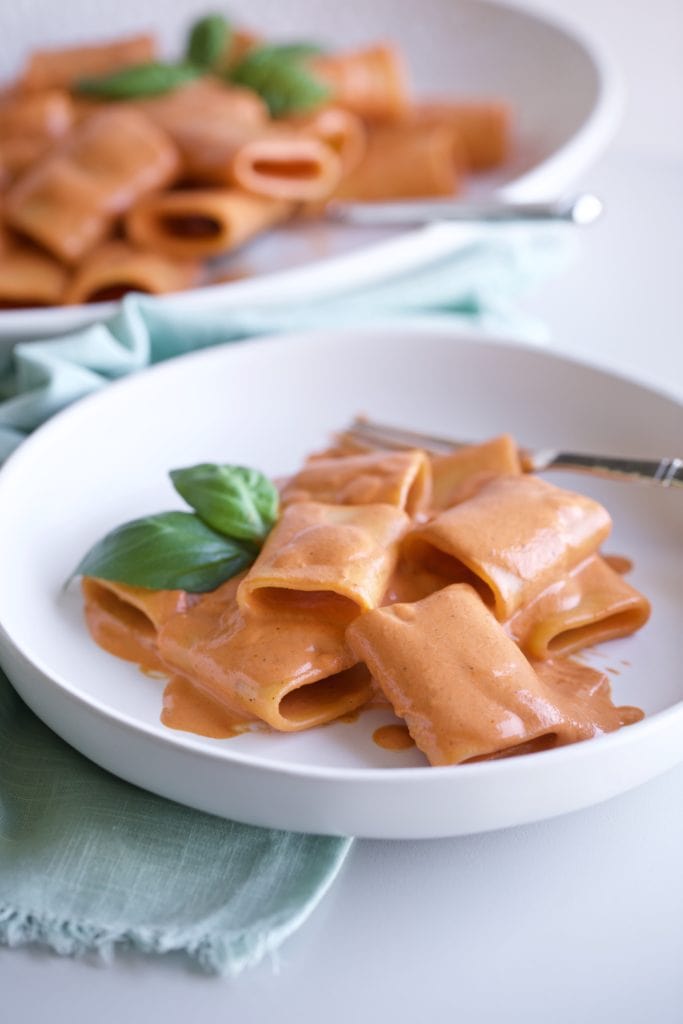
106, 150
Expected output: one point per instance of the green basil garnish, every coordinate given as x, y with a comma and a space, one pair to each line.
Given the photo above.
276, 72
139, 81
234, 500
168, 551
283, 52
279, 75
235, 509
208, 41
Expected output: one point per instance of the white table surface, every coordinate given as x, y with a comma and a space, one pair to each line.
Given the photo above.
579, 919
575, 919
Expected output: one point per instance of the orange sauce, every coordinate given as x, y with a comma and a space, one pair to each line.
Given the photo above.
122, 630
393, 737
583, 692
190, 710
411, 583
349, 716
619, 563
153, 673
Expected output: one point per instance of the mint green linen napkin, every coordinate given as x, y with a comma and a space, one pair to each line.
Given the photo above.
88, 862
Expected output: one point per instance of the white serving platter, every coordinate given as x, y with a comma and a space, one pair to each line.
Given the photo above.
267, 403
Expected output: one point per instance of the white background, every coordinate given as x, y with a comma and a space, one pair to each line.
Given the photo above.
577, 919
646, 38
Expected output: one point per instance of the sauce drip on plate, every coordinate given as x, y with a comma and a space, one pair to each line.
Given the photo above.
393, 737
188, 709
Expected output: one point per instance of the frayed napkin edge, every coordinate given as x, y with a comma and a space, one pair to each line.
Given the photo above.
215, 952
225, 954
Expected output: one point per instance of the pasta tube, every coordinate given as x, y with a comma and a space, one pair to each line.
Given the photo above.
293, 672
201, 222
401, 479
207, 121
45, 115
225, 137
483, 129
47, 69
466, 690
69, 200
216, 105
512, 540
30, 124
342, 130
499, 456
18, 154
116, 268
404, 162
29, 278
287, 165
336, 558
371, 83
125, 620
590, 605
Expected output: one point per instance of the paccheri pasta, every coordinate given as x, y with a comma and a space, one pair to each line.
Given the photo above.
452, 587
115, 165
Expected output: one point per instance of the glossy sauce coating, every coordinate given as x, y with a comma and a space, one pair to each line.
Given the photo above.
402, 479
393, 737
591, 604
124, 620
345, 552
464, 687
331, 618
513, 538
68, 201
190, 709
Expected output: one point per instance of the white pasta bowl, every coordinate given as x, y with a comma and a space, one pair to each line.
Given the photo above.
266, 404
565, 93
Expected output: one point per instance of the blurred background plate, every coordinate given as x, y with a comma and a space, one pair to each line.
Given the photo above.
564, 91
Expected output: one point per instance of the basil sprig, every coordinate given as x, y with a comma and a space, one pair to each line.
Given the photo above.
168, 551
234, 500
280, 77
138, 81
235, 508
209, 41
277, 73
283, 51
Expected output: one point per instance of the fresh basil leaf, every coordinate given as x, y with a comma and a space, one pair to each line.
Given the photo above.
138, 81
208, 41
168, 551
234, 500
283, 52
279, 75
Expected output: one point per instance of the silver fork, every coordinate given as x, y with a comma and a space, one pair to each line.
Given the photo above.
582, 210
667, 472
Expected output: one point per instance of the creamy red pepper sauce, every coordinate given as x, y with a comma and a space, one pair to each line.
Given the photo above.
459, 618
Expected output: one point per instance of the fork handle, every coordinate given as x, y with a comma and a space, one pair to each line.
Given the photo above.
665, 472
582, 209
